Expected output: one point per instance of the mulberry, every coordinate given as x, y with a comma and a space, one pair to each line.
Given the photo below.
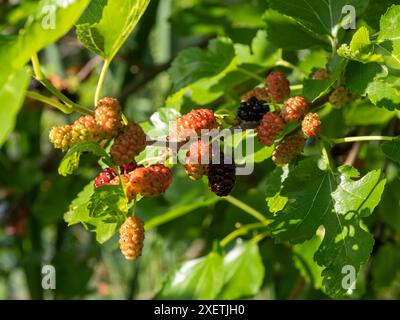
288, 149
150, 181
60, 137
294, 109
269, 128
321, 74
260, 94
339, 97
252, 110
221, 177
105, 177
107, 117
192, 123
84, 129
278, 86
126, 168
311, 125
197, 159
131, 237
128, 144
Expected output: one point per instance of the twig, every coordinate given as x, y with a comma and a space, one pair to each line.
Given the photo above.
298, 286
352, 156
88, 68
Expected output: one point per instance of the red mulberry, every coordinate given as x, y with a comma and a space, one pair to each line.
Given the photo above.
128, 144
311, 125
107, 116
269, 128
278, 86
192, 123
197, 159
150, 181
294, 109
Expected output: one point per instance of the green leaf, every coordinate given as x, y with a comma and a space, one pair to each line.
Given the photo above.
321, 17
210, 74
386, 49
384, 95
392, 150
303, 256
105, 25
161, 121
78, 210
288, 34
243, 271
336, 205
346, 241
71, 159
196, 279
12, 96
306, 206
361, 196
365, 113
390, 205
313, 89
359, 76
108, 200
53, 18
100, 210
389, 37
385, 266
360, 48
194, 64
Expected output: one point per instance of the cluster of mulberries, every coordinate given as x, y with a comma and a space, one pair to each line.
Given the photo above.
198, 161
105, 124
253, 108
